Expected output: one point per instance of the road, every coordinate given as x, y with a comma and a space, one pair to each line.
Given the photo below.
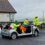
28, 40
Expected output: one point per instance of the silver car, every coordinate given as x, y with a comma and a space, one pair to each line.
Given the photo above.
14, 34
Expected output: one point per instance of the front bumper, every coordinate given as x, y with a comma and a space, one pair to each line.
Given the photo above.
5, 33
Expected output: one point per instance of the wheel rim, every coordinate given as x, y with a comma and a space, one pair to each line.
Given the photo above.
13, 36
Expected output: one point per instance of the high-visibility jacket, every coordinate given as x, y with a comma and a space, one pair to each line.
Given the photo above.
36, 21
14, 26
26, 22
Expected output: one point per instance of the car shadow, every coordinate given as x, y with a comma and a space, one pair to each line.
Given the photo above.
21, 37
27, 36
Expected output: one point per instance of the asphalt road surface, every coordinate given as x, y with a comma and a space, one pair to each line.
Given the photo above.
28, 40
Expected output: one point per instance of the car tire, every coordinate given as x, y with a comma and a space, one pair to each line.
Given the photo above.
13, 36
36, 33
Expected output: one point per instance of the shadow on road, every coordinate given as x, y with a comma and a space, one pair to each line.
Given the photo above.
21, 37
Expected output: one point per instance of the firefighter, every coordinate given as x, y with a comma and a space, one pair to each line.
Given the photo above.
36, 21
15, 25
26, 22
26, 25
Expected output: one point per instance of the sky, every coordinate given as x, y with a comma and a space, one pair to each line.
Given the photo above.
28, 8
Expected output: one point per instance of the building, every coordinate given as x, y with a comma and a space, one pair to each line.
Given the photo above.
7, 12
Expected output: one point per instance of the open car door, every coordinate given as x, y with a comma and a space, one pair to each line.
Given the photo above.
23, 29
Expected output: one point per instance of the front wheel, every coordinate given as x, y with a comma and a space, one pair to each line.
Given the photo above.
13, 36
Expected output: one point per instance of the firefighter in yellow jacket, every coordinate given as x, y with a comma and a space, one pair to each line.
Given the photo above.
26, 22
37, 21
15, 25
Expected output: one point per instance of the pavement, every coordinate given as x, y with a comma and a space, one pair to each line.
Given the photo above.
25, 40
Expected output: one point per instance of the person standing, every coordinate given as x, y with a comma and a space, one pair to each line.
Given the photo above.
36, 21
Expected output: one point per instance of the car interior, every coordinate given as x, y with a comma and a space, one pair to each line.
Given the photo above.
25, 29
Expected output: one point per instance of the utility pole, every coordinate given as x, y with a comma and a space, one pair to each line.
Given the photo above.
43, 16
